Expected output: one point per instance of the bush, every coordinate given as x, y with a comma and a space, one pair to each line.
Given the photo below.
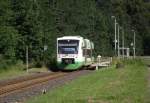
7, 64
133, 61
122, 63
19, 65
52, 64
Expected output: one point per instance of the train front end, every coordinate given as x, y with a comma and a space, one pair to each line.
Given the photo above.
69, 53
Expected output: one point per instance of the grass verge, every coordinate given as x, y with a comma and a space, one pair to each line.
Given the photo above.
126, 85
12, 71
18, 70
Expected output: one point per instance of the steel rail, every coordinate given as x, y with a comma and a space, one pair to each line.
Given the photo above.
22, 79
11, 88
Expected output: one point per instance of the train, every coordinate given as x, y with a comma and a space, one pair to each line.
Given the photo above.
74, 52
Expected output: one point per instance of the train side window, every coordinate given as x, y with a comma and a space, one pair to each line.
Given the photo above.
87, 52
84, 52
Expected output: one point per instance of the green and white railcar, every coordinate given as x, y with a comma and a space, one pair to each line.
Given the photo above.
74, 52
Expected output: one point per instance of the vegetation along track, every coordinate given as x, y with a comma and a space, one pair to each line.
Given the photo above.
19, 84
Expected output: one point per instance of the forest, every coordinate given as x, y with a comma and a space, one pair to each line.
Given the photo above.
37, 23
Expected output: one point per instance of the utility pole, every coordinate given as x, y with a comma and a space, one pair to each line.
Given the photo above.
123, 43
118, 41
27, 59
121, 28
45, 49
115, 33
134, 44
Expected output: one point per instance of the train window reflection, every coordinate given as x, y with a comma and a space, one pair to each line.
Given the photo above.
68, 46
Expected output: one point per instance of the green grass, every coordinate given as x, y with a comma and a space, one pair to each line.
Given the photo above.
17, 70
112, 85
13, 71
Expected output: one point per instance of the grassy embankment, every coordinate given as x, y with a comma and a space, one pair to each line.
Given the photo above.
126, 85
18, 70
9, 71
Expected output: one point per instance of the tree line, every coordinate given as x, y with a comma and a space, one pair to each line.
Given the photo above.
37, 23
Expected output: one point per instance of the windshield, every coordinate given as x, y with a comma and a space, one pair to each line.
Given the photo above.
68, 46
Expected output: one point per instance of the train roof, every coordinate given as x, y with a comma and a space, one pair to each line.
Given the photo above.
70, 37
87, 43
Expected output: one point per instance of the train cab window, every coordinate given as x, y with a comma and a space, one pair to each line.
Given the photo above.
68, 46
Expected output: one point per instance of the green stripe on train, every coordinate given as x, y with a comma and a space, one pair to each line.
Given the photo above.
70, 66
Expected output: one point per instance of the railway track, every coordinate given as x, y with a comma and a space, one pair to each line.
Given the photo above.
19, 90
22, 78
15, 85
